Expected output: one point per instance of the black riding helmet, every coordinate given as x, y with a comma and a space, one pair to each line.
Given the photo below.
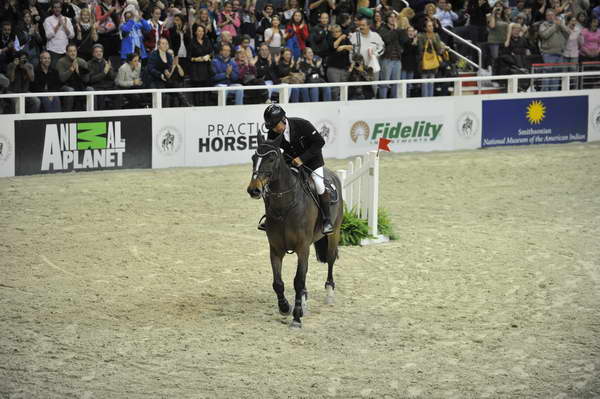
273, 115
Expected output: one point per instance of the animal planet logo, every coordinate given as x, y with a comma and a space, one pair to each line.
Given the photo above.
467, 125
327, 131
358, 129
83, 145
5, 148
168, 140
536, 112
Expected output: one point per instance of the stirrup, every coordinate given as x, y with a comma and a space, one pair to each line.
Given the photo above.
262, 225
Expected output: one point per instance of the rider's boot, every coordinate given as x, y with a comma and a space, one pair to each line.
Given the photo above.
324, 199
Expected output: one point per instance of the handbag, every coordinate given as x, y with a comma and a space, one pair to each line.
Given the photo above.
293, 78
430, 59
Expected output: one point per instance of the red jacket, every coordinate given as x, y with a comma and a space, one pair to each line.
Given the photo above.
300, 31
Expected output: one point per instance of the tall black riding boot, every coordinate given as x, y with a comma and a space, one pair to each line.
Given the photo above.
324, 199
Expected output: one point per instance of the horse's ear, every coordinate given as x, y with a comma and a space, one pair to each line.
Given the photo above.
260, 138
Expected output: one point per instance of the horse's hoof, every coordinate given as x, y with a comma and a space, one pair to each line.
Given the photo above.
304, 305
329, 296
295, 324
285, 309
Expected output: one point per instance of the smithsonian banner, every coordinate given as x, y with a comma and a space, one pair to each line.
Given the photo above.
546, 120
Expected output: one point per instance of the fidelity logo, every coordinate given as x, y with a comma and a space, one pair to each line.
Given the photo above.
360, 129
168, 140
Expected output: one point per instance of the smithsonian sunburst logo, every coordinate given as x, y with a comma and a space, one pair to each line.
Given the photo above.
536, 112
546, 120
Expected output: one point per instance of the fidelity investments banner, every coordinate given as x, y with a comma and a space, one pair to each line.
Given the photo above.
60, 145
544, 120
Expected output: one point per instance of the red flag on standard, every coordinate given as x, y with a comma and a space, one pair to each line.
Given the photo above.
383, 145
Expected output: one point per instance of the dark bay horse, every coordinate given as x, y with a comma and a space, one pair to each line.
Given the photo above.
293, 222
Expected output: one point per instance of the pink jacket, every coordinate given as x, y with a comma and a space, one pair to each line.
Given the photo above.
231, 28
590, 43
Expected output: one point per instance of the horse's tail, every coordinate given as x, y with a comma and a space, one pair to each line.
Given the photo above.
321, 249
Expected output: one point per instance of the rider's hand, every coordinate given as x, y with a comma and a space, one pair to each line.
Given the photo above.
297, 161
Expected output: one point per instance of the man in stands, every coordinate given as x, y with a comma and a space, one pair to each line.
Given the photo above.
553, 36
20, 74
225, 72
369, 45
74, 75
59, 30
46, 79
102, 75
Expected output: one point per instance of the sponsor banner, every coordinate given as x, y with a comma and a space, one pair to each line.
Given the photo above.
594, 123
543, 120
417, 125
168, 138
7, 152
223, 136
467, 123
60, 145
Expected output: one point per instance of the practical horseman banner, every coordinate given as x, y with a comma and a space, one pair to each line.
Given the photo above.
60, 145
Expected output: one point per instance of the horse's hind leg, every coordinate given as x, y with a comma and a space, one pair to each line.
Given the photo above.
300, 286
332, 254
278, 287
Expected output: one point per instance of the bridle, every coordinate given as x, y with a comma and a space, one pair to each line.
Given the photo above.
267, 192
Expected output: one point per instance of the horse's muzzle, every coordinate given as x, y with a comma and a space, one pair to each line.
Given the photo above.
254, 192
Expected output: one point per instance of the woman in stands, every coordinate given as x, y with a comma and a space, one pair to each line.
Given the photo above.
85, 34
297, 29
274, 36
286, 70
429, 42
590, 42
228, 20
180, 41
312, 68
201, 53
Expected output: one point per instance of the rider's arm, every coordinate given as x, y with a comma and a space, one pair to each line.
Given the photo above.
313, 142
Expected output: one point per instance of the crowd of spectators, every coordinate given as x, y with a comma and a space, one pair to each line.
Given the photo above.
78, 45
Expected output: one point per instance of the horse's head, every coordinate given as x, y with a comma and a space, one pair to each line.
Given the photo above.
266, 162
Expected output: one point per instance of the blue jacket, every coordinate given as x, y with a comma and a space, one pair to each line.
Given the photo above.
219, 67
133, 36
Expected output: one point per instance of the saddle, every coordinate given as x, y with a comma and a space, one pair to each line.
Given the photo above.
309, 184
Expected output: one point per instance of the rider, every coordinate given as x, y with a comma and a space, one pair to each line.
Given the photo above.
302, 143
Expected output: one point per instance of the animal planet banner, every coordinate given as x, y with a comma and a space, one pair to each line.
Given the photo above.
61, 145
544, 120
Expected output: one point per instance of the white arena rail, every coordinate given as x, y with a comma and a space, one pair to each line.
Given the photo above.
284, 89
360, 189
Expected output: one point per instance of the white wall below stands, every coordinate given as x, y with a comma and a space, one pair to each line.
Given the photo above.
209, 136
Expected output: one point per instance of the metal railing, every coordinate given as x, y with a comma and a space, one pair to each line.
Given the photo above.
511, 85
469, 44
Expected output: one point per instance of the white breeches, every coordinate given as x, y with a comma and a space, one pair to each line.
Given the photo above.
317, 176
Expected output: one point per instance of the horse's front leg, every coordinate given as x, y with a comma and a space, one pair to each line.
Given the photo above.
278, 287
300, 286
